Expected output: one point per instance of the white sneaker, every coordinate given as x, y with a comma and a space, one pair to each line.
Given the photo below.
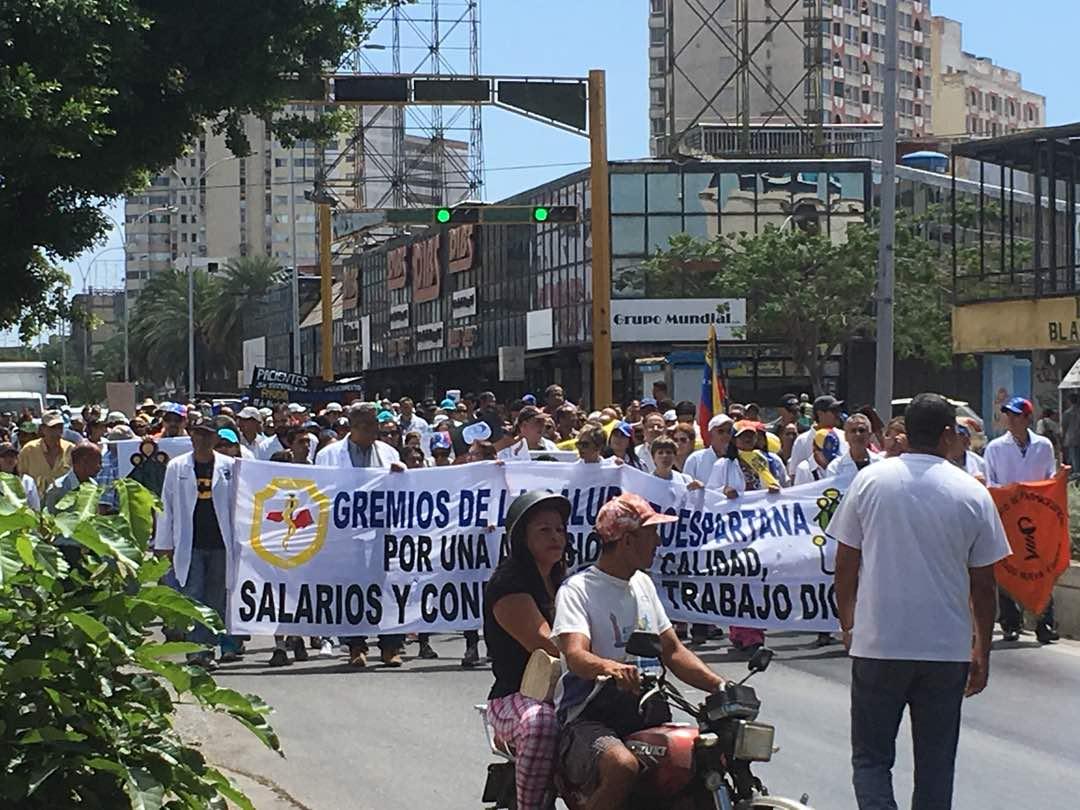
326, 650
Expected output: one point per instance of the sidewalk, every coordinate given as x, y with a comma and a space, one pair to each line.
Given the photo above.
238, 754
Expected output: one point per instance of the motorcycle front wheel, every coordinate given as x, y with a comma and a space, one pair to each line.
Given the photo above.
771, 803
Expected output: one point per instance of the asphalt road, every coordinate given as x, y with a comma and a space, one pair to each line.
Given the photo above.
409, 738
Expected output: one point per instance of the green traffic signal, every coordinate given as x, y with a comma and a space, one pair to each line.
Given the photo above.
540, 214
443, 215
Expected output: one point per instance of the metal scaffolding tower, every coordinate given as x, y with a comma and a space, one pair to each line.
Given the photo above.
748, 93
414, 156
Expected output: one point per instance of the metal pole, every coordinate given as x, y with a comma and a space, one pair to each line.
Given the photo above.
191, 327
295, 279
600, 182
883, 388
326, 288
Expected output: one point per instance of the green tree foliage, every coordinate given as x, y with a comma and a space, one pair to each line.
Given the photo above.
158, 343
87, 695
813, 294
95, 95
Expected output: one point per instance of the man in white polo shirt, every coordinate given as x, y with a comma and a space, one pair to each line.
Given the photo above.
1020, 455
917, 542
700, 463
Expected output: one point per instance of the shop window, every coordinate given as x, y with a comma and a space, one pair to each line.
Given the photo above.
628, 235
627, 193
664, 192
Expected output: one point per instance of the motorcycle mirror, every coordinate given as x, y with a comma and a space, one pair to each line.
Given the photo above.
643, 645
759, 661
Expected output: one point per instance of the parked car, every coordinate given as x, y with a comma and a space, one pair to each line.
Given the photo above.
964, 413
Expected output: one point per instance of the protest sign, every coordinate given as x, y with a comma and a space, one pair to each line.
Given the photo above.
128, 449
321, 551
1036, 521
270, 387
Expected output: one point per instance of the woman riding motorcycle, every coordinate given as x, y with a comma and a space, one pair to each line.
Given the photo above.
519, 606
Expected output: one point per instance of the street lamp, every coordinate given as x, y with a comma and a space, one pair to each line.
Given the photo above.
172, 209
191, 274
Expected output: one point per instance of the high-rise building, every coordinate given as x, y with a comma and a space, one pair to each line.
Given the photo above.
972, 95
211, 206
721, 61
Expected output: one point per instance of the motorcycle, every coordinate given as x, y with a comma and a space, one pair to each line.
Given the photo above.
683, 766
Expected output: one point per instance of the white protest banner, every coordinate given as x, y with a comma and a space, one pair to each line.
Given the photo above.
353, 551
172, 446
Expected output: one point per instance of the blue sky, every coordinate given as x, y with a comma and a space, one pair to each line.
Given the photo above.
568, 37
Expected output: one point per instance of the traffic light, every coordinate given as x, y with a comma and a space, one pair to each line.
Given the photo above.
484, 215
469, 214
555, 213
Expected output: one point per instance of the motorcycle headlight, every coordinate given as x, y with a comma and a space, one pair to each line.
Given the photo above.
753, 741
706, 740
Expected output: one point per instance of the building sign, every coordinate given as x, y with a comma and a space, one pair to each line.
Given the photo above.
429, 336
395, 267
399, 316
462, 337
270, 387
685, 320
424, 265
1007, 326
462, 248
350, 295
463, 303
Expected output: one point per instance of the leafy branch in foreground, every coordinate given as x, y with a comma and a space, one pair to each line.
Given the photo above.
87, 696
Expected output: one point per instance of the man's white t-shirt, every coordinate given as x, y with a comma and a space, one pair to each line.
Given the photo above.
1007, 464
921, 523
676, 476
607, 610
645, 457
700, 463
974, 464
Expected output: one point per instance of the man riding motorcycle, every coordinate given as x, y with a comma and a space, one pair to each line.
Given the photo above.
596, 611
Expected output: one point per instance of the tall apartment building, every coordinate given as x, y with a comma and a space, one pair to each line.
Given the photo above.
693, 46
211, 206
972, 95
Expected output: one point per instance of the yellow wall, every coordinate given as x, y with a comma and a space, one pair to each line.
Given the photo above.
1003, 326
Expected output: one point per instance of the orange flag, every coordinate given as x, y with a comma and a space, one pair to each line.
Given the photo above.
1036, 519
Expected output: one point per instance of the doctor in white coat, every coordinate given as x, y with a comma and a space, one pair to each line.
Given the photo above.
195, 529
361, 448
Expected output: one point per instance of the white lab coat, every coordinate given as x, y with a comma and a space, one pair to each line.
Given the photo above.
336, 454
175, 525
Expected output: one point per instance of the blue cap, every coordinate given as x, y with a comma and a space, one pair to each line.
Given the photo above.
439, 441
385, 416
229, 435
625, 429
1018, 405
176, 408
529, 399
448, 404
648, 402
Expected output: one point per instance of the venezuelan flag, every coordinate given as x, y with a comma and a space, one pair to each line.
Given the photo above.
713, 393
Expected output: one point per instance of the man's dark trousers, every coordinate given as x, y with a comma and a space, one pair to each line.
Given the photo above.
933, 692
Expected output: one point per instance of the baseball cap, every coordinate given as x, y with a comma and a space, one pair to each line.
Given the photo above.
228, 435
962, 428
248, 412
116, 418
119, 433
624, 428
721, 420
789, 401
744, 426
204, 427
627, 513
529, 399
828, 442
476, 432
1018, 405
29, 426
174, 408
265, 412
385, 416
827, 402
333, 407
670, 415
296, 407
440, 441
448, 404
52, 419
648, 402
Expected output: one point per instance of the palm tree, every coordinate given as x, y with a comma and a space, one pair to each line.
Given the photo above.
158, 331
232, 290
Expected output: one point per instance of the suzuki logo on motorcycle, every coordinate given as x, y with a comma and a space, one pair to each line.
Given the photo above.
647, 750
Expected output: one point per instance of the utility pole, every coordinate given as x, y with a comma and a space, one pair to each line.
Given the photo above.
295, 274
600, 180
326, 290
883, 387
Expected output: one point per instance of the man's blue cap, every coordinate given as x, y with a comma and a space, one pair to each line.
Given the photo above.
448, 404
1018, 405
529, 399
648, 402
440, 441
385, 416
625, 429
229, 435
